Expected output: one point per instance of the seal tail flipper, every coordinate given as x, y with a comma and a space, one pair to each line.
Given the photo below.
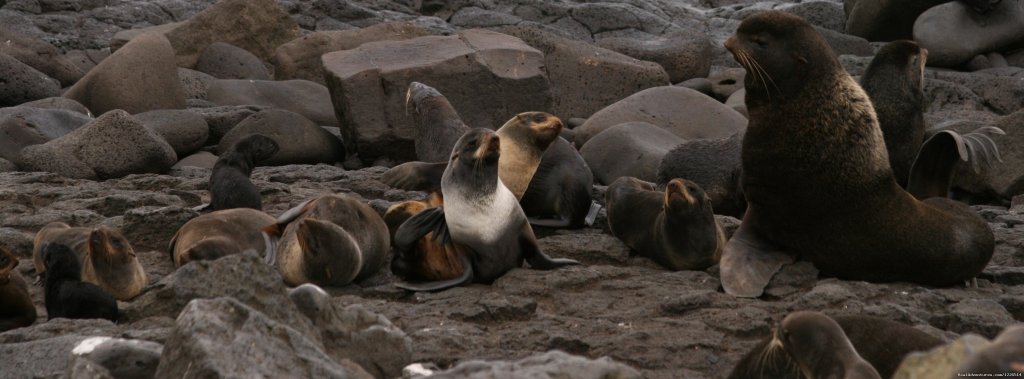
533, 254
271, 233
465, 278
932, 171
748, 262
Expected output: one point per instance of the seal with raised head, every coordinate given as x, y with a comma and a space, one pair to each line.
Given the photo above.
66, 294
331, 240
675, 227
805, 345
894, 81
817, 179
218, 234
230, 186
105, 256
16, 308
480, 214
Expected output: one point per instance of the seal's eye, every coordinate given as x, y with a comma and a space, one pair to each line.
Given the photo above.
539, 119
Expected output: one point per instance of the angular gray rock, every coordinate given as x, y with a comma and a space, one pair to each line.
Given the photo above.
368, 85
119, 357
683, 55
304, 97
21, 83
299, 139
223, 337
227, 61
112, 146
184, 130
550, 365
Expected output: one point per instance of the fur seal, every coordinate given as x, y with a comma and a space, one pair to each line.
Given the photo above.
230, 186
16, 308
66, 294
438, 125
883, 342
559, 195
428, 260
218, 234
106, 257
805, 345
675, 227
714, 165
817, 179
894, 80
480, 214
331, 240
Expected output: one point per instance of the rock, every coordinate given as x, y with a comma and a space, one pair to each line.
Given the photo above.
22, 83
845, 44
984, 317
222, 119
595, 249
258, 26
85, 60
825, 14
684, 112
7, 166
121, 358
368, 85
223, 337
885, 20
112, 146
702, 85
226, 61
59, 103
475, 17
352, 332
151, 227
953, 33
195, 84
300, 58
725, 82
39, 358
714, 165
139, 77
202, 159
628, 149
1004, 357
81, 368
39, 55
24, 126
585, 78
184, 130
1004, 178
550, 365
683, 55
300, 140
940, 362
244, 277
304, 97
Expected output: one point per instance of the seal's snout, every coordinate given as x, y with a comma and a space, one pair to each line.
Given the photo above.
489, 148
730, 43
676, 192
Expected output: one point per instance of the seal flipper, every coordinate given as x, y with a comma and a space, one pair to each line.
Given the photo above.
932, 172
465, 278
749, 262
273, 232
562, 222
534, 256
427, 221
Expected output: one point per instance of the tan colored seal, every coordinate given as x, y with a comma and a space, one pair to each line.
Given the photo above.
106, 256
218, 234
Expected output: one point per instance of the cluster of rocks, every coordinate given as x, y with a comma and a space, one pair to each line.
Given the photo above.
144, 95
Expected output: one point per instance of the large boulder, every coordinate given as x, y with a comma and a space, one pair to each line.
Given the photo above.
304, 97
223, 119
139, 77
550, 365
227, 61
258, 26
300, 58
184, 130
21, 83
487, 76
585, 78
685, 112
682, 55
885, 20
40, 55
629, 149
953, 33
300, 140
223, 338
114, 145
120, 357
23, 126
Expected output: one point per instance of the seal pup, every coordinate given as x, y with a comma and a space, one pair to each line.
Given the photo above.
230, 186
479, 213
218, 234
428, 260
331, 240
16, 308
894, 81
817, 179
105, 256
807, 345
66, 294
675, 227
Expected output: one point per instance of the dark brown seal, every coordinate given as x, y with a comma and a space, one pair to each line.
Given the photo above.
675, 227
230, 186
894, 80
16, 308
218, 234
817, 179
480, 214
331, 240
106, 257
